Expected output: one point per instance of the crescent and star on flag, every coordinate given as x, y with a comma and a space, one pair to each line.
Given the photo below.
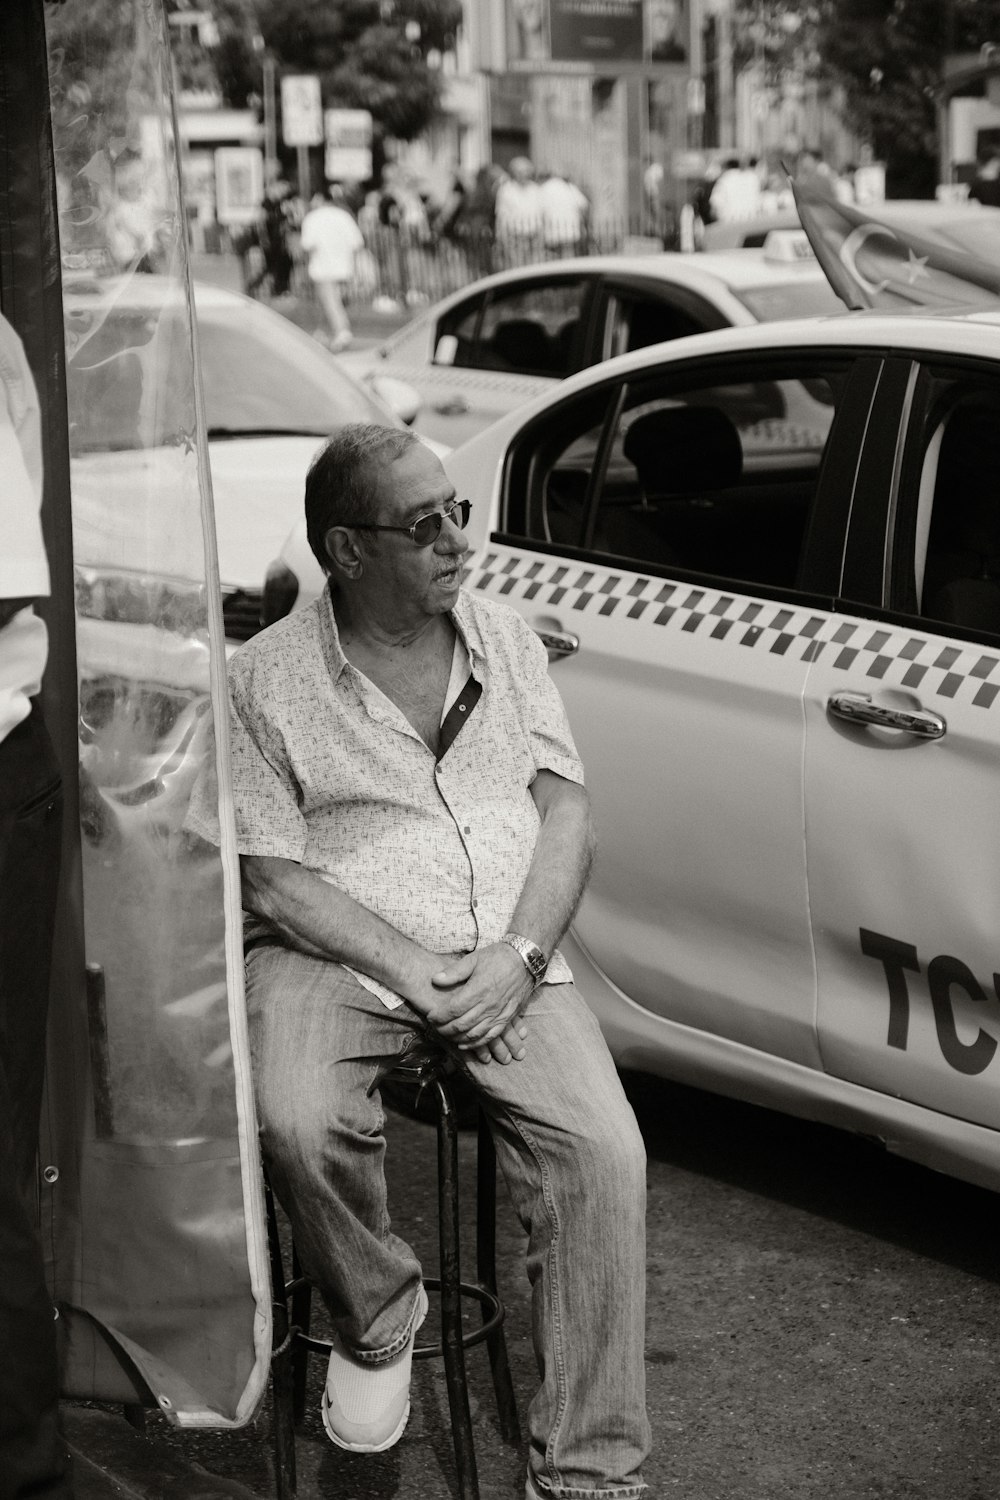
916, 265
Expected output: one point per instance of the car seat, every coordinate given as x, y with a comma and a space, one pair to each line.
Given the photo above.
682, 455
680, 449
523, 344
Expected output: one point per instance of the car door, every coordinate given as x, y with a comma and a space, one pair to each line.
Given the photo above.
493, 351
656, 538
634, 312
902, 791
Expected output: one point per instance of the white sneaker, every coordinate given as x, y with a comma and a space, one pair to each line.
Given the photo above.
365, 1406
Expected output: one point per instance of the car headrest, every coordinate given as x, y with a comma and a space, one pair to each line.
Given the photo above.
682, 448
523, 343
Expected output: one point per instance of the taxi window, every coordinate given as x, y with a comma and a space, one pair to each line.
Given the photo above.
956, 573
519, 329
456, 335
634, 322
716, 479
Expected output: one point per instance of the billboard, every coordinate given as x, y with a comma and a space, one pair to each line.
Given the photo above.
601, 35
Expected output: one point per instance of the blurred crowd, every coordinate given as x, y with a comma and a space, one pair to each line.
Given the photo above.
389, 246
399, 245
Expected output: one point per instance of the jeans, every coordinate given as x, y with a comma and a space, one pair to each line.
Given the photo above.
574, 1163
32, 1460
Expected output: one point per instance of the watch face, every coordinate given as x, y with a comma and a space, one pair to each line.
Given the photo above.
534, 959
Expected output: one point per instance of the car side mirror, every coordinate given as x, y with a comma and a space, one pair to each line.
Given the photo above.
400, 397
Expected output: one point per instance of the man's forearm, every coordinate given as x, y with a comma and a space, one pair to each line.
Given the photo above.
318, 918
560, 865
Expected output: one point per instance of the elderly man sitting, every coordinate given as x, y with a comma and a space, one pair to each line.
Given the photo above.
415, 837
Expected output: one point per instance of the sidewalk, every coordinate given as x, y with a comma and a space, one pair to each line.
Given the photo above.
111, 1461
370, 327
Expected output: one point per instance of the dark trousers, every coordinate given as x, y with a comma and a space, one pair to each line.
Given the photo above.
32, 1460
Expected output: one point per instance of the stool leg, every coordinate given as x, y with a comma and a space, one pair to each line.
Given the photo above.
301, 1319
451, 1295
283, 1428
486, 1275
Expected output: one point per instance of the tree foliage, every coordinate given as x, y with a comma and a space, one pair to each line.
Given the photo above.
886, 55
363, 53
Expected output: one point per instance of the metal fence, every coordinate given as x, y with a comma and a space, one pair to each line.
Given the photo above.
409, 270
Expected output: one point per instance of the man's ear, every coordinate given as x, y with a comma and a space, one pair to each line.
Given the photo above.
343, 552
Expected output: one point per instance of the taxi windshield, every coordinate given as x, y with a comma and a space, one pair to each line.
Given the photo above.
791, 299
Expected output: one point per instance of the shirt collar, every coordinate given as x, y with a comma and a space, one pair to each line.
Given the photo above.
462, 617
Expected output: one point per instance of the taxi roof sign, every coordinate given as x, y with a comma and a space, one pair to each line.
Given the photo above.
788, 246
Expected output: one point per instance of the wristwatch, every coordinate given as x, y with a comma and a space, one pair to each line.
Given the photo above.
532, 956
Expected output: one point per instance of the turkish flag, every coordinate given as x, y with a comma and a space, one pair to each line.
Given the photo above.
890, 267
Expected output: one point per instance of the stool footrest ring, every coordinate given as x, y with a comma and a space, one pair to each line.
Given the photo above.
489, 1300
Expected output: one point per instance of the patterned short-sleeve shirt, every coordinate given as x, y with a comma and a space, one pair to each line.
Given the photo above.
328, 772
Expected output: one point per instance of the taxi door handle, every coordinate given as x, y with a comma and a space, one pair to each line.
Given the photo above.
560, 643
451, 406
858, 708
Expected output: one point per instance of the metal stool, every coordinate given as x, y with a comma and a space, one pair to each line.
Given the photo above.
428, 1067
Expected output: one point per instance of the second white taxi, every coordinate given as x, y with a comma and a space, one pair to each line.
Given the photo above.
486, 350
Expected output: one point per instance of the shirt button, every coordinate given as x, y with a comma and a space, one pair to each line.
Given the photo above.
466, 829
474, 905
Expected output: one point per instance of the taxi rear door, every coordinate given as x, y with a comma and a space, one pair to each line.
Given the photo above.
902, 793
683, 685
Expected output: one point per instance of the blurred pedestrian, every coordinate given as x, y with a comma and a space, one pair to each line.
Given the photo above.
736, 194
32, 1457
519, 215
565, 210
273, 235
478, 221
331, 240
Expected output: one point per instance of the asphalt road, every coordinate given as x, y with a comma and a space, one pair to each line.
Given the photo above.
823, 1321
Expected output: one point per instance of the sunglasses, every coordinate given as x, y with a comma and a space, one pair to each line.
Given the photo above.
426, 529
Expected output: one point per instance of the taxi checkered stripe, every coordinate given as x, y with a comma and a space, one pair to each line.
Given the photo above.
895, 656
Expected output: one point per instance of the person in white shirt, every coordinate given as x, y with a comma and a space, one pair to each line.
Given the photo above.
564, 216
736, 194
32, 1460
332, 239
519, 215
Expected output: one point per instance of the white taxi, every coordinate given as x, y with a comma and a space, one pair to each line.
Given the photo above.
767, 570
498, 343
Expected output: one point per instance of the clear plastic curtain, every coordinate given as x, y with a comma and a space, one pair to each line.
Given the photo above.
160, 1266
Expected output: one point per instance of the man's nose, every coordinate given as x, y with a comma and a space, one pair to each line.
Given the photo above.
454, 538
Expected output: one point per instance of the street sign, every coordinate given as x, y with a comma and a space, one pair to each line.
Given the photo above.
348, 145
239, 184
301, 110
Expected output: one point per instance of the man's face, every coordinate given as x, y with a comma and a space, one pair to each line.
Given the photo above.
418, 581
